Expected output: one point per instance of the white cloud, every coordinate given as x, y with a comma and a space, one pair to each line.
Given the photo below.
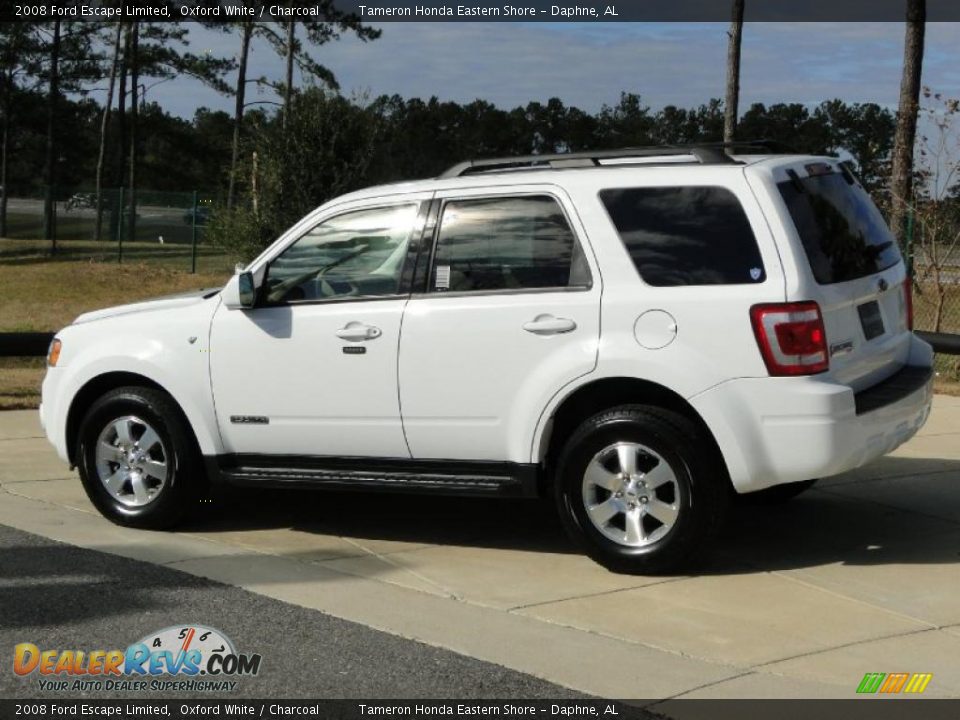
591, 64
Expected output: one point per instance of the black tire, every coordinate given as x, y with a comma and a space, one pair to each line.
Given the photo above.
185, 483
776, 494
700, 479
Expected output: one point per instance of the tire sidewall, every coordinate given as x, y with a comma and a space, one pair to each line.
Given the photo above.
675, 544
104, 411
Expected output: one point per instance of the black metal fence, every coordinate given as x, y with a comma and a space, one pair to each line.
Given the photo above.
167, 227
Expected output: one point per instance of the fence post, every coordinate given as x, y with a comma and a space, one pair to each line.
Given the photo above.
53, 219
193, 239
120, 225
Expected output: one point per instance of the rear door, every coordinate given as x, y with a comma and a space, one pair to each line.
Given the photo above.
851, 266
509, 311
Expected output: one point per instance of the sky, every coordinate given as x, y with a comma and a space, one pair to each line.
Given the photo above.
589, 65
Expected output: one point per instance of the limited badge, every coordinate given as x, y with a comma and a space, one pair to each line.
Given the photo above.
755, 273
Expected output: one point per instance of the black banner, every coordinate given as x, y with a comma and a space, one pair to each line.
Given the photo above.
383, 11
861, 709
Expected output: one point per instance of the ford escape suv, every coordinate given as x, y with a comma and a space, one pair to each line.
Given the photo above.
639, 333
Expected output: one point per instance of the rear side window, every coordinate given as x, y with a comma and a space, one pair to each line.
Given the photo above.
843, 233
506, 243
685, 235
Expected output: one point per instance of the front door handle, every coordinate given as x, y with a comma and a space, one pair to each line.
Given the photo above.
549, 325
358, 332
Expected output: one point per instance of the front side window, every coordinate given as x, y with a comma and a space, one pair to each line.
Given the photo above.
685, 235
506, 243
357, 254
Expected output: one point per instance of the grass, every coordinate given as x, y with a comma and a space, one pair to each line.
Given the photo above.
175, 256
44, 295
924, 308
41, 294
20, 380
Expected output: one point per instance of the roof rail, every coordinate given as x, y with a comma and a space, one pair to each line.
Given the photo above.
704, 153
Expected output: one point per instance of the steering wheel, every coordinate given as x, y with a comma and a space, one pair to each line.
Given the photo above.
282, 290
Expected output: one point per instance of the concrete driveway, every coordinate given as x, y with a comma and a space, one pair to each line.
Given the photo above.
859, 575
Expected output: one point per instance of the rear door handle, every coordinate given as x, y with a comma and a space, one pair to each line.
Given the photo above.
549, 325
358, 332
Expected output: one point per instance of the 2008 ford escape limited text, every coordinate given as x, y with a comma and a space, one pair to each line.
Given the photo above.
641, 334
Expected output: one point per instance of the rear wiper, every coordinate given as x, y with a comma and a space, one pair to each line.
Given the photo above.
795, 180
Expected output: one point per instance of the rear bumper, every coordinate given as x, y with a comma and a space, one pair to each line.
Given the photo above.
780, 430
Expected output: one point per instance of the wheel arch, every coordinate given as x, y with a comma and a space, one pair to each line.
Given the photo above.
602, 394
99, 385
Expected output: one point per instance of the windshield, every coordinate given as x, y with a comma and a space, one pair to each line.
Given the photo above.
844, 235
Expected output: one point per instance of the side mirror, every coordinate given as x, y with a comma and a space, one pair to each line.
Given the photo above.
240, 292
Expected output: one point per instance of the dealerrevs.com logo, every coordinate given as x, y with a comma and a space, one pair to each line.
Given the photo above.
184, 657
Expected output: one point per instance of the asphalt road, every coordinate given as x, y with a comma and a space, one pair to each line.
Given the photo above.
61, 597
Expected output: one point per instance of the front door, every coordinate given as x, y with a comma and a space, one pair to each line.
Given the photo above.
312, 369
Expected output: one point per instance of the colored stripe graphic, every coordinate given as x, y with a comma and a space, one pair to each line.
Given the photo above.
871, 682
894, 682
918, 683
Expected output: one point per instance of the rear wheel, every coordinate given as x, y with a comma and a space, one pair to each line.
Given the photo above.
640, 489
138, 459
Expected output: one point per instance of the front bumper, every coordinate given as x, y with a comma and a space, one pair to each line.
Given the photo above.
52, 413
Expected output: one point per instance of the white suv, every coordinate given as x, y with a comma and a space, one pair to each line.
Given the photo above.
635, 332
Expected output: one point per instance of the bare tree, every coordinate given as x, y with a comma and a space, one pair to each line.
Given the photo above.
288, 85
335, 22
20, 54
246, 33
733, 72
49, 165
901, 181
134, 130
104, 123
936, 212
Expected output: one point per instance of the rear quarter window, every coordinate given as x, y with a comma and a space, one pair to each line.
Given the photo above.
685, 235
844, 235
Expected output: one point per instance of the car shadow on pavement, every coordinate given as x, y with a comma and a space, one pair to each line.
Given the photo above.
908, 514
900, 510
421, 519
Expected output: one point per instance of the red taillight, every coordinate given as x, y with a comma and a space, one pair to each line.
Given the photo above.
791, 337
908, 300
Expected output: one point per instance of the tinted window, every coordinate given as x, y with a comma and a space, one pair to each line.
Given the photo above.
843, 233
355, 254
685, 235
506, 243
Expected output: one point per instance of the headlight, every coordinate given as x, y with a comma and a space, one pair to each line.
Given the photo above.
53, 354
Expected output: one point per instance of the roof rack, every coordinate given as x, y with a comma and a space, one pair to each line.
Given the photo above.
703, 153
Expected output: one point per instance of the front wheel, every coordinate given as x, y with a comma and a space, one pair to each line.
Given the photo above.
138, 460
640, 489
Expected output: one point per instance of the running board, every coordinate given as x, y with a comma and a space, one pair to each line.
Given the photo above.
444, 477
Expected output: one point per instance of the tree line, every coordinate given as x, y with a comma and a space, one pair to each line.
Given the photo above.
270, 161
42, 64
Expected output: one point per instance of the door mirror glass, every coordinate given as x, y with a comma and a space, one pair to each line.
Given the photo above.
240, 292
247, 290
